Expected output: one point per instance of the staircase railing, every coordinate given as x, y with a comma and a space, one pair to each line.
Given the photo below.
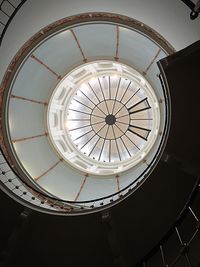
183, 233
8, 9
17, 188
180, 246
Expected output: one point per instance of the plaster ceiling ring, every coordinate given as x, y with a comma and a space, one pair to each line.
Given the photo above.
112, 168
111, 118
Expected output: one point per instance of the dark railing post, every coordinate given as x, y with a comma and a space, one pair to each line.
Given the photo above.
193, 214
9, 17
163, 256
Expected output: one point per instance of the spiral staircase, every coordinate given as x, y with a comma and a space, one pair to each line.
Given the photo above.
136, 184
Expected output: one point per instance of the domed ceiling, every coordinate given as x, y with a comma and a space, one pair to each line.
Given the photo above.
86, 118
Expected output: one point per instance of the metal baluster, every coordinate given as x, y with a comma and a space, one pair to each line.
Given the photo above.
184, 248
194, 215
162, 255
197, 225
11, 4
4, 12
188, 260
179, 237
9, 16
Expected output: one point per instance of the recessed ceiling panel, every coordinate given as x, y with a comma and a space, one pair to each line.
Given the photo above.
84, 113
97, 40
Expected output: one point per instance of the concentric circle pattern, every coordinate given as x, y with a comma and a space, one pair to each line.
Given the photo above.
113, 130
85, 117
109, 118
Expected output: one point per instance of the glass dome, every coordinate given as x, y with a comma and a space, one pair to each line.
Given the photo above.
85, 117
103, 121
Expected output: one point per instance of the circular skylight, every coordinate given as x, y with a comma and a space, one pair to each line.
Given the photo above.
90, 125
103, 117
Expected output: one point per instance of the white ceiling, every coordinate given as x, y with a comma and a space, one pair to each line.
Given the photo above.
170, 18
34, 81
61, 52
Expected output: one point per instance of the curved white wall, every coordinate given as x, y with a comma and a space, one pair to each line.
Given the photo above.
170, 18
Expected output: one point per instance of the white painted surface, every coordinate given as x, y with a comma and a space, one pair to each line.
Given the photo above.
175, 27
65, 54
35, 82
25, 119
97, 40
36, 156
136, 49
169, 18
